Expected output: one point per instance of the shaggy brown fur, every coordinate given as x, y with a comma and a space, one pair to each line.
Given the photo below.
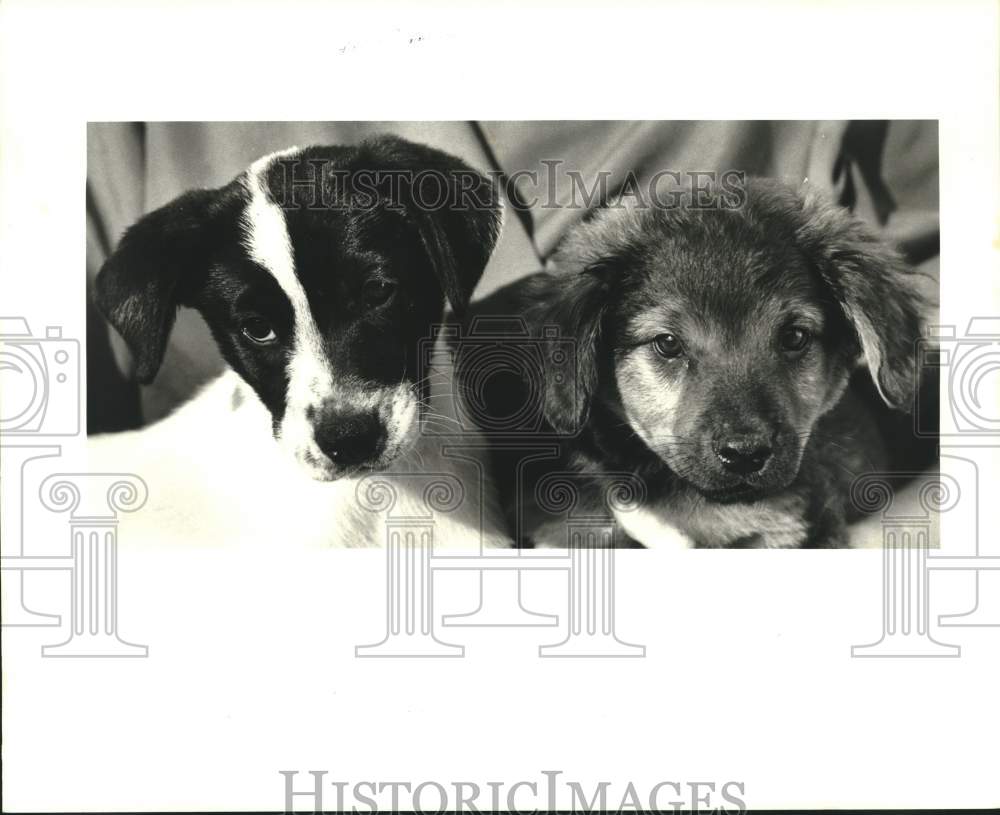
716, 353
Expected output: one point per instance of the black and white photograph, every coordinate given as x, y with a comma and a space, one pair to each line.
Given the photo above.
738, 341
621, 376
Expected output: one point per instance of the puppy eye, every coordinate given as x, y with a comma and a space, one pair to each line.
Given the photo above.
378, 292
794, 339
667, 345
258, 331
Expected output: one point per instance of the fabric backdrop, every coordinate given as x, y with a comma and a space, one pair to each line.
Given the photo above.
887, 172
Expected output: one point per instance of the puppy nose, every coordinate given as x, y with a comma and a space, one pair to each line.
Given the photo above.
348, 439
743, 455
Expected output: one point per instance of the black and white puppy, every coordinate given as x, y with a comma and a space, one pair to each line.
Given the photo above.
319, 272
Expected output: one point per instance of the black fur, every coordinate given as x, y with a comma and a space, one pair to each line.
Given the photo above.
734, 279
157, 267
348, 224
381, 236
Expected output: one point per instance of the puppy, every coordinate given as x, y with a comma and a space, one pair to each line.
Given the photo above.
715, 353
319, 272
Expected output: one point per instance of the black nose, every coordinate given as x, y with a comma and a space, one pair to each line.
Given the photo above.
743, 454
348, 439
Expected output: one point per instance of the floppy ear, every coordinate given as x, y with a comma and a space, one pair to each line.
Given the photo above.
576, 310
141, 284
874, 287
591, 262
456, 209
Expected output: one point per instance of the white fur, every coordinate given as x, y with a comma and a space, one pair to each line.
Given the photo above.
217, 479
309, 377
649, 526
311, 384
676, 522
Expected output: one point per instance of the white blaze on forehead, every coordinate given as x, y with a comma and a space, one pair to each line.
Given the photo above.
310, 376
268, 243
267, 238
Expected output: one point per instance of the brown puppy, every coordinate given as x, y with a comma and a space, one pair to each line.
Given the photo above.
715, 350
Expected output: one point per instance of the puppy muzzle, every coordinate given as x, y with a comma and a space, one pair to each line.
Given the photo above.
745, 463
